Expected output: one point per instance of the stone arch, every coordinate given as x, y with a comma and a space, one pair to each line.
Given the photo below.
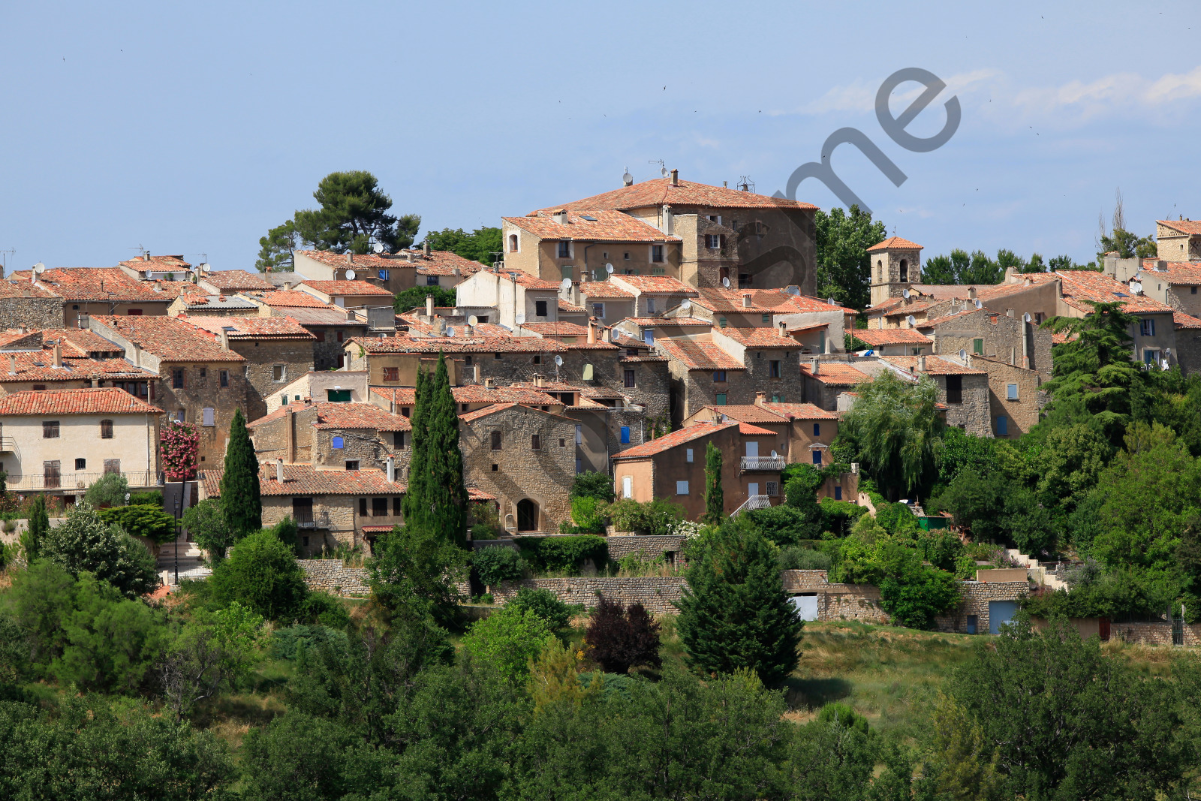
527, 515
904, 269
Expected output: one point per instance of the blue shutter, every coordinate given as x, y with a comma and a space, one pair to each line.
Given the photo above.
338, 442
1003, 426
817, 429
625, 435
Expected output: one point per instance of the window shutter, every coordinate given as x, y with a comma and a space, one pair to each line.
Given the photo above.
209, 417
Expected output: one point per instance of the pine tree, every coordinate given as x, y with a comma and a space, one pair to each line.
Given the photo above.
734, 613
240, 498
715, 499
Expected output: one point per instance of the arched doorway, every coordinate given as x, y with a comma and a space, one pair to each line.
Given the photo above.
527, 515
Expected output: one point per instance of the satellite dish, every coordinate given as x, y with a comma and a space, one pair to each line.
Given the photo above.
627, 178
378, 247
775, 455
450, 331
1026, 317
39, 268
911, 320
609, 268
1164, 364
979, 304
520, 318
351, 275
206, 267
473, 321
558, 361
685, 304
725, 282
962, 355
565, 284
905, 294
1136, 287
663, 171
832, 301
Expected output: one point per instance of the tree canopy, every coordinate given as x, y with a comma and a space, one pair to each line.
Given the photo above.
479, 245
843, 266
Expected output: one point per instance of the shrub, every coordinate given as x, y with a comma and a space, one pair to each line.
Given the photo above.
85, 543
141, 521
896, 518
497, 563
940, 548
795, 557
654, 518
486, 525
261, 573
839, 516
783, 525
320, 608
109, 490
588, 515
206, 523
544, 604
591, 484
287, 532
508, 640
564, 553
147, 498
286, 642
618, 639
913, 593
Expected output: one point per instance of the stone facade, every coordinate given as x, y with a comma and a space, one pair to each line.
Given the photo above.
1021, 412
331, 576
893, 270
270, 366
621, 547
994, 335
657, 593
976, 596
972, 413
1155, 633
31, 312
836, 601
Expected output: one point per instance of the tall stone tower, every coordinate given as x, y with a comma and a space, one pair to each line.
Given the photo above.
896, 263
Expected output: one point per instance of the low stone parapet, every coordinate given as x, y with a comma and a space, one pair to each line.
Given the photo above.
333, 577
656, 593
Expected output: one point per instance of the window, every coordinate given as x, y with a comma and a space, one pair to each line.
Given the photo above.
535, 442
340, 335
512, 243
978, 347
657, 253
817, 429
625, 435
495, 467
720, 400
564, 250
391, 373
398, 440
540, 308
1151, 356
383, 275
224, 376
627, 486
39, 387
431, 280
626, 255
341, 360
537, 358
648, 336
1002, 426
208, 416
352, 464
496, 440
688, 455
204, 372
773, 369
50, 429
629, 376
177, 378
362, 507
772, 489
721, 322
51, 477
278, 373
112, 466
681, 488
579, 435
180, 416
1193, 290
396, 506
134, 312
106, 429
379, 507
712, 241
337, 443
719, 376
658, 271
765, 319
598, 310
817, 457
838, 493
1147, 328
650, 305
904, 270
562, 442
81, 464
283, 399
1011, 392
567, 271
744, 279
954, 389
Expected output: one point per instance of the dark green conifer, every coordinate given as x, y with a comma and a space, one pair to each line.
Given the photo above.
240, 495
715, 499
415, 493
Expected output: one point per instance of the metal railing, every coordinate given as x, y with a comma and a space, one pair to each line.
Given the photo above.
752, 503
75, 481
311, 520
763, 462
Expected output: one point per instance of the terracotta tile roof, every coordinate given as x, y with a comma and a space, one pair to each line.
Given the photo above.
603, 290
664, 322
323, 315
359, 260
1182, 320
1190, 227
471, 417
672, 440
937, 321
23, 289
934, 365
376, 529
532, 282
649, 357
766, 338
876, 337
251, 327
990, 293
801, 411
474, 393
237, 280
584, 345
291, 297
75, 401
80, 343
157, 264
302, 479
660, 192
359, 415
568, 308
1060, 337
748, 430
558, 329
836, 374
1177, 273
729, 300
895, 243
444, 262
698, 355
217, 302
347, 288
474, 494
1085, 285
18, 340
747, 413
654, 285
39, 366
484, 344
590, 226
904, 310
175, 289
84, 284
789, 303
169, 338
627, 341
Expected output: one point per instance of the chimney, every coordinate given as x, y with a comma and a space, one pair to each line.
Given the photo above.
146, 255
287, 286
783, 328
290, 434
746, 301
561, 216
489, 383
279, 470
667, 221
12, 363
409, 256
591, 332
426, 248
58, 354
1027, 282
760, 398
224, 339
539, 381
429, 305
921, 364
350, 258
675, 177
391, 462
971, 293
814, 365
606, 335
456, 272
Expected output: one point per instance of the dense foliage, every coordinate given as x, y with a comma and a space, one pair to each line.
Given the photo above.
479, 245
240, 493
619, 639
84, 543
141, 520
843, 266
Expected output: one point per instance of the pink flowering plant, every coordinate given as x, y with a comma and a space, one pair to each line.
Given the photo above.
179, 443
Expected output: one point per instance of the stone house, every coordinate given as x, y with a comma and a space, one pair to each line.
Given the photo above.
347, 294
335, 436
702, 374
61, 441
583, 244
672, 467
1174, 283
653, 295
508, 298
394, 273
25, 304
603, 300
963, 387
1188, 342
330, 326
825, 380
231, 282
525, 459
160, 268
724, 233
331, 507
1015, 396
442, 267
649, 330
332, 386
772, 361
1154, 333
214, 305
895, 265
894, 341
984, 332
67, 358
804, 432
105, 291
818, 323
1178, 240
199, 381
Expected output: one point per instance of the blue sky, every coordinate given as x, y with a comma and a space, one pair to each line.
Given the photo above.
194, 128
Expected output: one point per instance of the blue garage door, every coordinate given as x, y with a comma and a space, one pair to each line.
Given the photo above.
999, 613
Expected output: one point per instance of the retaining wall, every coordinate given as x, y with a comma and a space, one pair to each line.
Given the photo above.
656, 593
836, 601
1152, 633
330, 575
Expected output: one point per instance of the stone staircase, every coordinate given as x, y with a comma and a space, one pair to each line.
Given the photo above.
1036, 572
191, 561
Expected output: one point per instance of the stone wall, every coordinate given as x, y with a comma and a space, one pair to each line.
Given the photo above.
262, 356
330, 575
620, 547
656, 593
1155, 633
976, 597
973, 412
33, 313
836, 601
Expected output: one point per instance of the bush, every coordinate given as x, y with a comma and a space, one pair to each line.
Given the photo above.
618, 639
588, 515
497, 563
566, 554
797, 558
287, 642
913, 593
262, 574
940, 548
896, 518
147, 498
320, 608
109, 490
206, 523
85, 543
783, 525
508, 640
544, 604
287, 532
840, 516
141, 520
590, 484
654, 518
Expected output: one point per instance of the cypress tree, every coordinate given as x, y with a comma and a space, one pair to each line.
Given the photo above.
415, 493
715, 499
734, 613
39, 527
240, 498
445, 492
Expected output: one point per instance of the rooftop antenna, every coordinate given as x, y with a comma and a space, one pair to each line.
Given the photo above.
662, 166
746, 184
4, 254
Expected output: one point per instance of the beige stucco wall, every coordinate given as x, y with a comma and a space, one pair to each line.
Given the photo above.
134, 442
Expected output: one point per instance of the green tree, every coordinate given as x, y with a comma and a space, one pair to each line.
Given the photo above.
479, 245
964, 268
591, 484
508, 640
298, 757
1121, 241
496, 563
414, 298
109, 490
208, 656
715, 500
353, 212
437, 496
843, 264
910, 592
141, 520
209, 529
733, 614
85, 543
240, 493
262, 575
276, 249
415, 573
39, 527
896, 432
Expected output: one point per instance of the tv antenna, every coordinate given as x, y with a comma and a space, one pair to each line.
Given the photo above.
4, 254
662, 166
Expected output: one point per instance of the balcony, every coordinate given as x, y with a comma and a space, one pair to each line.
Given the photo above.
774, 463
752, 503
309, 519
8, 445
29, 482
